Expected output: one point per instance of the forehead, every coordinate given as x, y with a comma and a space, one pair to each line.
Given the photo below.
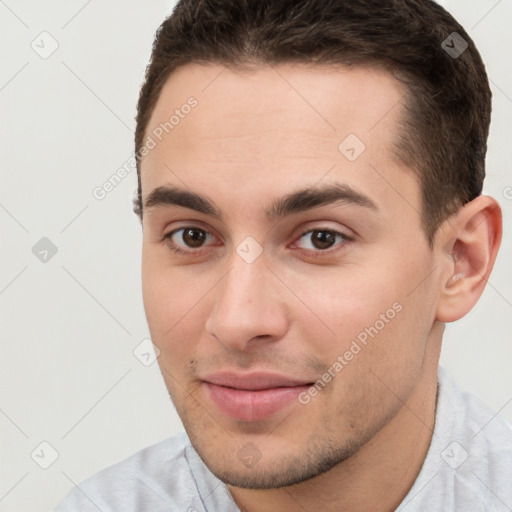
269, 128
303, 98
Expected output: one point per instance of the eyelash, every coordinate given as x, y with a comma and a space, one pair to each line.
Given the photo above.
318, 253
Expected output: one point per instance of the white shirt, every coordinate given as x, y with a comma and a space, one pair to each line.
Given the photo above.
468, 468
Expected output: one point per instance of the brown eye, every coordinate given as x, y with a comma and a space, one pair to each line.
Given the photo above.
193, 237
322, 239
188, 240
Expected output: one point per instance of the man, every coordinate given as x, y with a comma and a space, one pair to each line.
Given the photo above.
310, 178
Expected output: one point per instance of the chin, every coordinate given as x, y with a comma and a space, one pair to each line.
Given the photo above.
254, 469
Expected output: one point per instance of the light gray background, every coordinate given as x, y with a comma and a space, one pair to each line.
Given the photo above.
69, 326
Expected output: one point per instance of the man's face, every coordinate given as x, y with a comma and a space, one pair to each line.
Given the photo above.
268, 300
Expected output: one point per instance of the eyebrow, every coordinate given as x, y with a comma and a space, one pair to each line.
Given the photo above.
295, 202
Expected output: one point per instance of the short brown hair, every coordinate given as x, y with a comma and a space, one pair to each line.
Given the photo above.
444, 129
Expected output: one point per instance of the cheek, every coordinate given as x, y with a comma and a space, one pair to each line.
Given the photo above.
377, 347
174, 302
344, 303
371, 306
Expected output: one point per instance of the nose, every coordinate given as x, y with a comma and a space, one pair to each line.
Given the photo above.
248, 306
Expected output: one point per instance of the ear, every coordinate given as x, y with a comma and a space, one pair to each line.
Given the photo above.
468, 245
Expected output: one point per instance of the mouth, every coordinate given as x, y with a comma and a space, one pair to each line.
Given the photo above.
255, 396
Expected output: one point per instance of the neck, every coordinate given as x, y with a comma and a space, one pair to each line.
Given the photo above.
379, 475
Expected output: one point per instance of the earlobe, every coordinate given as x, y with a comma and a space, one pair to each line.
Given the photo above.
468, 247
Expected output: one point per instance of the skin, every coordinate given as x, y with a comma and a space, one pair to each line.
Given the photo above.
254, 136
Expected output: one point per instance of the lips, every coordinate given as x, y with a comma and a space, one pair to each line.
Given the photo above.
254, 396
